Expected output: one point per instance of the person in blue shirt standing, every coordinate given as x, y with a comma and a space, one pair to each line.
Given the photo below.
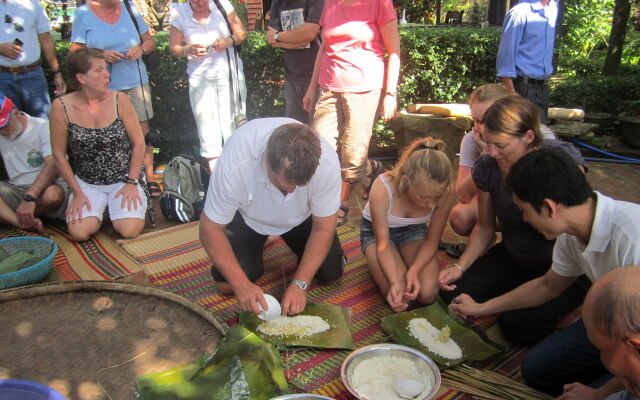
24, 39
525, 55
107, 25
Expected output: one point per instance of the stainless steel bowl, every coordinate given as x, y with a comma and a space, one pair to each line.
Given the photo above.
388, 349
301, 396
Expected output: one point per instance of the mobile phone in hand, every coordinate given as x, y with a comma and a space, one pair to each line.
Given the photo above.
18, 42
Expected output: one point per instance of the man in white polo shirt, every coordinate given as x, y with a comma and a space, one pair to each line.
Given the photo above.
595, 234
275, 176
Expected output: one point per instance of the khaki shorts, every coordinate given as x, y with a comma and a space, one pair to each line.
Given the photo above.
142, 104
13, 194
348, 118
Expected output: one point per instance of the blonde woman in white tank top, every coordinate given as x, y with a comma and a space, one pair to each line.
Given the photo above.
403, 221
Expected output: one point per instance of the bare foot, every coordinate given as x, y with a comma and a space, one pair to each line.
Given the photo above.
138, 277
271, 240
224, 288
36, 226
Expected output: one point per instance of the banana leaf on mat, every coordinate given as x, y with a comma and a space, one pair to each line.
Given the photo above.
337, 337
474, 342
243, 367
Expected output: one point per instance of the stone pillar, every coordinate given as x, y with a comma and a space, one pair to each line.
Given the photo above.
407, 127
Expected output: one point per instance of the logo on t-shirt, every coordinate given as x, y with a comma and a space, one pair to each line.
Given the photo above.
292, 19
35, 159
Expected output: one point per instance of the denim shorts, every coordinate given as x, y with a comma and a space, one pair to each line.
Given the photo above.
399, 237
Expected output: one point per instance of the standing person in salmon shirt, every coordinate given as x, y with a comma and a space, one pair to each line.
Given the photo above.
356, 81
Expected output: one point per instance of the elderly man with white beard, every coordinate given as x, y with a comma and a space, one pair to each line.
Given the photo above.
31, 191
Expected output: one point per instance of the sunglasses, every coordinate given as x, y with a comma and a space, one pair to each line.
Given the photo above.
8, 19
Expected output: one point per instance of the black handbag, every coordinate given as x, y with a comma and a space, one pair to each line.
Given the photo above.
151, 60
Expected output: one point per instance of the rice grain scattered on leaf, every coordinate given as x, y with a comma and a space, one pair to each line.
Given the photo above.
432, 338
373, 378
299, 326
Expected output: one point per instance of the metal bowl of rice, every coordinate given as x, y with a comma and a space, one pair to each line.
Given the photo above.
302, 396
382, 362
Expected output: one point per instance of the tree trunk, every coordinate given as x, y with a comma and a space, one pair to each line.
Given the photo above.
621, 12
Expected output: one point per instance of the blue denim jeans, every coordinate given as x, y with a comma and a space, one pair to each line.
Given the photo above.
565, 357
28, 91
399, 237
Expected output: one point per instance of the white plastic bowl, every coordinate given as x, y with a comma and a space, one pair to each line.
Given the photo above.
273, 309
389, 349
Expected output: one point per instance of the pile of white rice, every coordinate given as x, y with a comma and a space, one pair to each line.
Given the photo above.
373, 377
299, 326
429, 336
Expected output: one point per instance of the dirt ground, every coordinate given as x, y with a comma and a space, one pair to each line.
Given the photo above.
90, 344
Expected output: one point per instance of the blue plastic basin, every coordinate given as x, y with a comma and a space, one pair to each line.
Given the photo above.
19, 389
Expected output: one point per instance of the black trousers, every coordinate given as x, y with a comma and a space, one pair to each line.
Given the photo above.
496, 273
248, 246
537, 93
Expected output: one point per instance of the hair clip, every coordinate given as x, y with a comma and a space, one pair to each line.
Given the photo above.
426, 146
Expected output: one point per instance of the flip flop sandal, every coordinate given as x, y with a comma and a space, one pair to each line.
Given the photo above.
376, 169
342, 219
154, 190
455, 250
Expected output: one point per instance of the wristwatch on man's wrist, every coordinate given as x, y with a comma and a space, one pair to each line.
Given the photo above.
28, 197
276, 36
301, 284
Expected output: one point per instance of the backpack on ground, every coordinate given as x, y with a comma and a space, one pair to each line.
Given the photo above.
185, 183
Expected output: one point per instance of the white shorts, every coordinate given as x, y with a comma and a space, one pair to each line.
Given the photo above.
101, 196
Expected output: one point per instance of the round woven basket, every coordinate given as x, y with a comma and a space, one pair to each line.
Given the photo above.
92, 339
43, 250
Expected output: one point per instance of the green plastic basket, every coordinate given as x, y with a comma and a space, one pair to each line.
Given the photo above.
44, 250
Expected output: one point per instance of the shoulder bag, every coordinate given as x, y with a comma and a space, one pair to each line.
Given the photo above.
151, 60
238, 84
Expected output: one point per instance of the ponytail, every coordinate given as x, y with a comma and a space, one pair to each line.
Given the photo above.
423, 159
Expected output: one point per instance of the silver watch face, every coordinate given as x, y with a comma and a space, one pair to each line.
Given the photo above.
301, 284
276, 36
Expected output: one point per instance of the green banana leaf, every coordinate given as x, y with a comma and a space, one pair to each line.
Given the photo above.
338, 337
243, 367
474, 343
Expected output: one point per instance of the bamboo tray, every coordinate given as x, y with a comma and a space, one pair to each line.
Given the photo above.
89, 340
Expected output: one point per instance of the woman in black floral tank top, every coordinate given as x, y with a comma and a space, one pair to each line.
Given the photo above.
98, 130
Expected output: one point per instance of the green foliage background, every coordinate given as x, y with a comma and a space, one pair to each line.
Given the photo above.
587, 24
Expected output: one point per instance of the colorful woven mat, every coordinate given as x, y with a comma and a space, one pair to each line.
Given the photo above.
307, 370
98, 258
166, 249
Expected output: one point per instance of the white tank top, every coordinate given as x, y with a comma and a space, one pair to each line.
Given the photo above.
392, 220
